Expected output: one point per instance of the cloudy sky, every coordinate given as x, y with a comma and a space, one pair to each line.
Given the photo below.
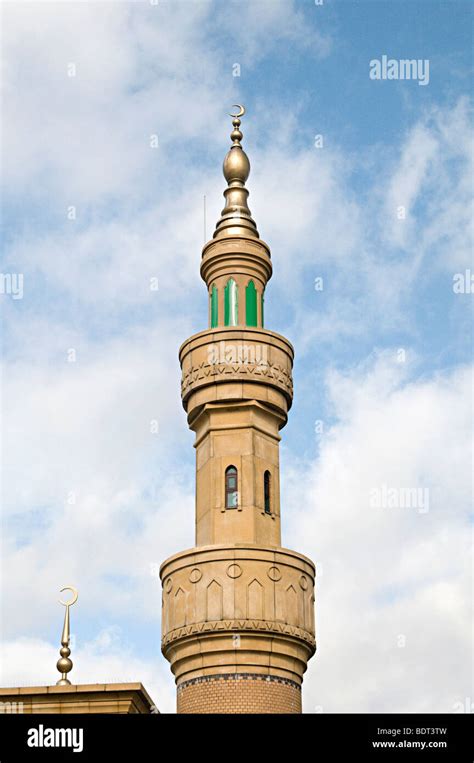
115, 127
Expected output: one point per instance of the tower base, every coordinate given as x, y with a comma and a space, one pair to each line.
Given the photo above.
239, 693
238, 627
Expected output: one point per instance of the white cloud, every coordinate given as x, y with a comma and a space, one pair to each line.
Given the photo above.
408, 181
140, 69
85, 136
262, 25
89, 491
389, 574
374, 264
432, 180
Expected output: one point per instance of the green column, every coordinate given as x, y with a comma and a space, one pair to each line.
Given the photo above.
251, 304
214, 308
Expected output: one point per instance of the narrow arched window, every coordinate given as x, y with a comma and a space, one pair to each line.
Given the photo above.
214, 308
266, 492
250, 304
263, 300
231, 310
231, 487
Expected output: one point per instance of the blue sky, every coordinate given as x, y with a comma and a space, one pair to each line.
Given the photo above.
383, 352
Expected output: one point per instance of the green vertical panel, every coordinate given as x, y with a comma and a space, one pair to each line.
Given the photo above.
251, 304
214, 308
231, 310
263, 300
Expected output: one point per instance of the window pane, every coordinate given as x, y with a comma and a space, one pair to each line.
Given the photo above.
266, 491
231, 484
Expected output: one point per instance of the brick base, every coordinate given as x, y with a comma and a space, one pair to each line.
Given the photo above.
239, 693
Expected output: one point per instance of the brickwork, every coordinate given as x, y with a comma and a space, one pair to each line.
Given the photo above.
239, 693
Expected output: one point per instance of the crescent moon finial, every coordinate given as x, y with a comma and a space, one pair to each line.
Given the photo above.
64, 664
74, 598
241, 111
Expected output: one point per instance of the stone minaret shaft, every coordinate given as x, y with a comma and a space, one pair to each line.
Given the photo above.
238, 609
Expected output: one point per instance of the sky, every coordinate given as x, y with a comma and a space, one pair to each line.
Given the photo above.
115, 127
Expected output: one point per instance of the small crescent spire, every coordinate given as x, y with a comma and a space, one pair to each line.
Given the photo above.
64, 664
241, 111
236, 218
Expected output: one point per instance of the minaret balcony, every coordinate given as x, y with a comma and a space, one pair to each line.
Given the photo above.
237, 364
238, 609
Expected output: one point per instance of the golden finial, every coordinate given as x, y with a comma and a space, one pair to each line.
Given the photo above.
236, 219
64, 664
241, 111
236, 135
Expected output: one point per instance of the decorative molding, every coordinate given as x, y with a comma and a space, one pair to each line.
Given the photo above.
272, 373
214, 600
234, 570
255, 600
195, 575
264, 626
238, 677
274, 574
304, 582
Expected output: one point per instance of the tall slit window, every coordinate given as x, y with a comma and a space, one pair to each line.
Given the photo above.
231, 494
266, 492
231, 308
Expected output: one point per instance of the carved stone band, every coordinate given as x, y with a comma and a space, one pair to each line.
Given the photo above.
231, 355
238, 625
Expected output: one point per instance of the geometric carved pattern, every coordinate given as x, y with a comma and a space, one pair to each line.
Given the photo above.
291, 605
265, 626
214, 600
249, 611
234, 571
255, 600
180, 606
251, 607
255, 591
274, 574
275, 373
195, 575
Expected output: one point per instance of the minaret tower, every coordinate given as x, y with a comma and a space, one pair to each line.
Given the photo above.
238, 609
